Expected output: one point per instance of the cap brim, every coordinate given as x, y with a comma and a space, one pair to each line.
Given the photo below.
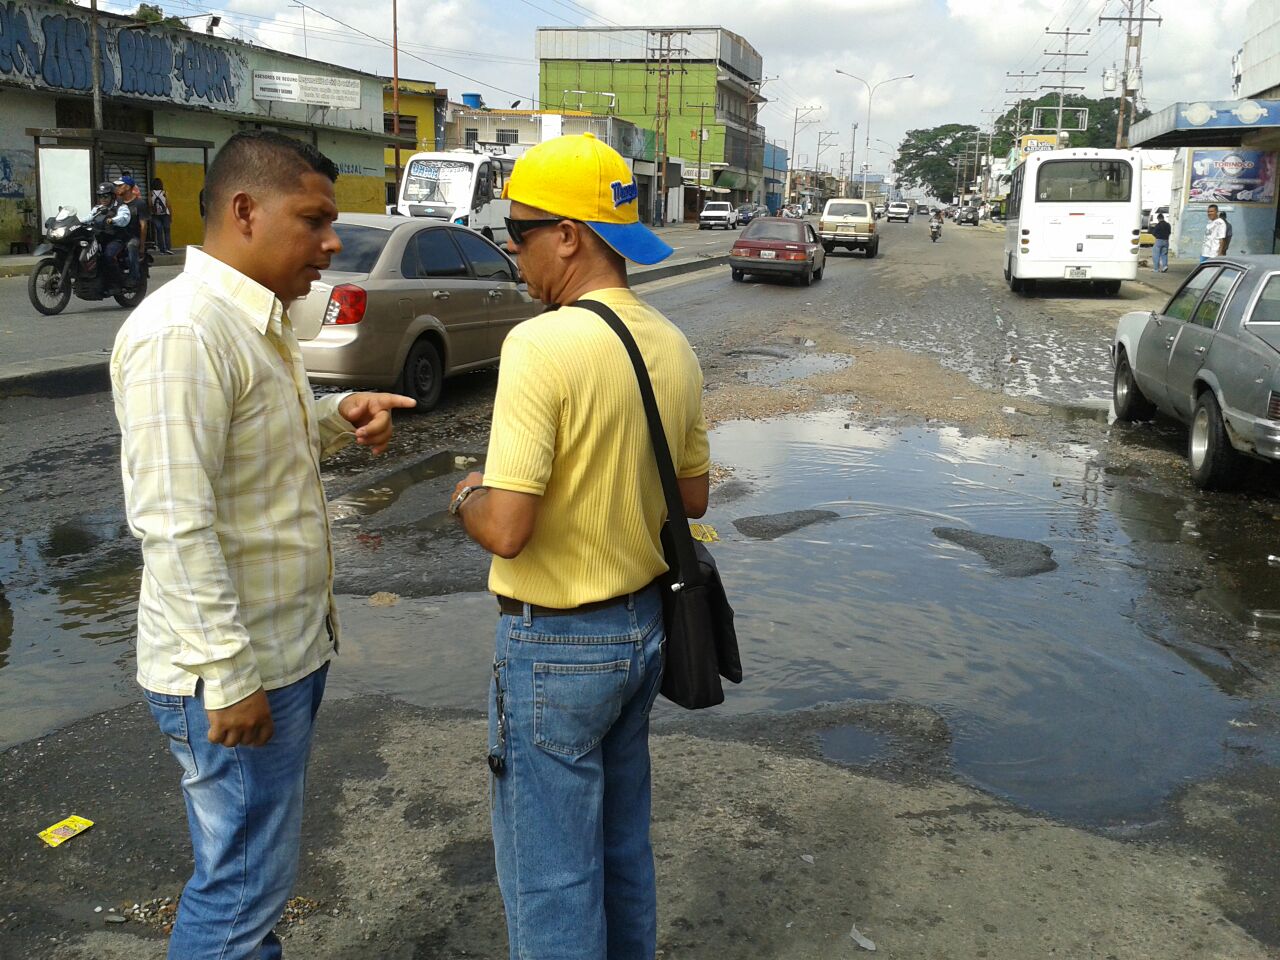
634, 241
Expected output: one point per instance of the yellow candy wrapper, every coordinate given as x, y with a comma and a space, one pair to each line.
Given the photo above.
64, 830
703, 533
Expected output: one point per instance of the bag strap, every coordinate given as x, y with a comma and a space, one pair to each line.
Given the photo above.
677, 522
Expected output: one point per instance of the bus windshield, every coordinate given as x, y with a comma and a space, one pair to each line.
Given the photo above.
1084, 181
447, 182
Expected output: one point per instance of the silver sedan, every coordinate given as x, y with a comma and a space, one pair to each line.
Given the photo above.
408, 302
1210, 358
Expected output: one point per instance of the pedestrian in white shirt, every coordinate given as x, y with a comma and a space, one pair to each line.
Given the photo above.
221, 447
1215, 235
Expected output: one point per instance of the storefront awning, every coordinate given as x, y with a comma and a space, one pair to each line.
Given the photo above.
1206, 123
729, 180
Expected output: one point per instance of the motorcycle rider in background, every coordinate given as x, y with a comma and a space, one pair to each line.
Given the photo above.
114, 225
935, 222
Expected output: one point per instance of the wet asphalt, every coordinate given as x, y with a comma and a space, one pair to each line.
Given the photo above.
1095, 637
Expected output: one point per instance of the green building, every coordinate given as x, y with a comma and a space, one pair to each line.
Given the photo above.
712, 82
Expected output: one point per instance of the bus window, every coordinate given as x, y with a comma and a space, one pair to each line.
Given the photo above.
1084, 181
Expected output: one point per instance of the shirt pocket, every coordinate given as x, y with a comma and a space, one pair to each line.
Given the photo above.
576, 704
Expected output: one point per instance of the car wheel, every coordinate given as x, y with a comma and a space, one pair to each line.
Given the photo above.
807, 279
736, 274
1131, 406
1214, 463
424, 374
817, 274
872, 251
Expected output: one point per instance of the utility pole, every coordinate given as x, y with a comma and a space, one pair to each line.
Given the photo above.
701, 134
395, 88
1131, 79
95, 58
1020, 79
825, 139
1063, 72
791, 159
853, 155
303, 8
663, 53
991, 113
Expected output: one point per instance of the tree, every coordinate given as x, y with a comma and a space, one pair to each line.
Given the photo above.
928, 158
153, 13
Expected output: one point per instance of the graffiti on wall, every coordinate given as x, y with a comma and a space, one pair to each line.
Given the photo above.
11, 188
52, 52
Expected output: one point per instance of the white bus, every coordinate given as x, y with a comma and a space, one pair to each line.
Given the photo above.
462, 186
1074, 215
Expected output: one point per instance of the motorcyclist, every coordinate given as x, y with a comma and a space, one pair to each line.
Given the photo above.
111, 217
935, 220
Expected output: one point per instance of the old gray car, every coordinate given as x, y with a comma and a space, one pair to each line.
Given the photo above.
1210, 358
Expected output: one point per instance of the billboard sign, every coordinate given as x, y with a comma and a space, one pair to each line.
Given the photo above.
340, 93
1036, 142
1232, 176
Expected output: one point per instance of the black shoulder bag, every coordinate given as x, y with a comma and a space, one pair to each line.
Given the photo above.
702, 646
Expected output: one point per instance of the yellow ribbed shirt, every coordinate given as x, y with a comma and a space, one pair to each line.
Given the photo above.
569, 426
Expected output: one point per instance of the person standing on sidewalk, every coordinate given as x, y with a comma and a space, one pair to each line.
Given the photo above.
1161, 230
161, 216
1215, 235
220, 453
570, 505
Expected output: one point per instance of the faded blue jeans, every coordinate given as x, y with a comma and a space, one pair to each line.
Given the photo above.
1160, 256
244, 808
569, 709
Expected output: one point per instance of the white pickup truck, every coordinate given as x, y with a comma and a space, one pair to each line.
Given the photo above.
718, 213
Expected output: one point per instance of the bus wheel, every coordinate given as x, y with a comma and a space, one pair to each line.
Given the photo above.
1014, 283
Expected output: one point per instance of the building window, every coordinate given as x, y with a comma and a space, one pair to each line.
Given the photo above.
408, 124
508, 136
469, 136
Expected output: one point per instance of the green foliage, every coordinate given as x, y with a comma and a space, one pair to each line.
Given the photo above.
153, 13
928, 158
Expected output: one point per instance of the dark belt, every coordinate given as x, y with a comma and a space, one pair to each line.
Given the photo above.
515, 608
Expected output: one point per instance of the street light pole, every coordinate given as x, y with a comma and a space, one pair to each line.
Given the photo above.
871, 92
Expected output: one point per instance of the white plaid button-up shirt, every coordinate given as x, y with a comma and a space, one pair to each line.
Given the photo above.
221, 448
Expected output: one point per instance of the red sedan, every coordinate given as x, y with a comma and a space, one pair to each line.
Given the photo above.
779, 245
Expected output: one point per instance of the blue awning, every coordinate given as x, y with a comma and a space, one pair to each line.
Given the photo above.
1205, 123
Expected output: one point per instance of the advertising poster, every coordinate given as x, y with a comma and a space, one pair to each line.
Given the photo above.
1233, 176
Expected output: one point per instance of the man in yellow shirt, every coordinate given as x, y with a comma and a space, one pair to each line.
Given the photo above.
571, 506
221, 442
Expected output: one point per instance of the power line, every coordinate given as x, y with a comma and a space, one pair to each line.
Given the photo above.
1064, 71
1131, 79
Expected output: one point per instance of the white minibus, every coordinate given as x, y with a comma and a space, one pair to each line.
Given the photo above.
461, 186
1074, 215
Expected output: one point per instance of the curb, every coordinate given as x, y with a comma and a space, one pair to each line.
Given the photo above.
10, 270
81, 373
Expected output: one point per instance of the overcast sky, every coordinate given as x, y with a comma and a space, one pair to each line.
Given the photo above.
959, 50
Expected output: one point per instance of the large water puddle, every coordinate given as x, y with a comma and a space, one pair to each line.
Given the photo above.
1072, 690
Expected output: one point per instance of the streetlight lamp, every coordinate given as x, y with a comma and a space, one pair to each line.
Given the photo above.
871, 92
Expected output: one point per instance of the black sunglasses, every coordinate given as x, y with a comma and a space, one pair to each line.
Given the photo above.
517, 230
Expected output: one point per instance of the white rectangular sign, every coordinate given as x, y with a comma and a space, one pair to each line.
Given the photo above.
342, 93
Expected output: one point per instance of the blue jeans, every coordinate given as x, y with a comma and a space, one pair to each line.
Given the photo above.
1160, 256
569, 727
244, 808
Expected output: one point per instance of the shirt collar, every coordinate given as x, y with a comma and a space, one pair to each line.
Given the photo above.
253, 302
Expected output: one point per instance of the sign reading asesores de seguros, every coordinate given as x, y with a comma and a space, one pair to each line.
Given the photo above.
340, 93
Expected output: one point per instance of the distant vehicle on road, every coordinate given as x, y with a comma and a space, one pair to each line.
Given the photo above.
1210, 358
967, 215
778, 246
880, 209
407, 303
718, 213
746, 213
459, 187
849, 224
899, 210
1074, 215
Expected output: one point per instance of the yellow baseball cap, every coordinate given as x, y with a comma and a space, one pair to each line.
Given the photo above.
579, 177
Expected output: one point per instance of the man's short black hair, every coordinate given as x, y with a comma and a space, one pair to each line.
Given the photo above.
261, 162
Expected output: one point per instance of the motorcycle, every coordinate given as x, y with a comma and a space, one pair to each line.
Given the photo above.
73, 260
935, 230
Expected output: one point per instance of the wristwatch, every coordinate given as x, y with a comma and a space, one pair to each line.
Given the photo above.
461, 498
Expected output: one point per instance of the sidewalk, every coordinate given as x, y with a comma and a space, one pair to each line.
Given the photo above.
1168, 282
